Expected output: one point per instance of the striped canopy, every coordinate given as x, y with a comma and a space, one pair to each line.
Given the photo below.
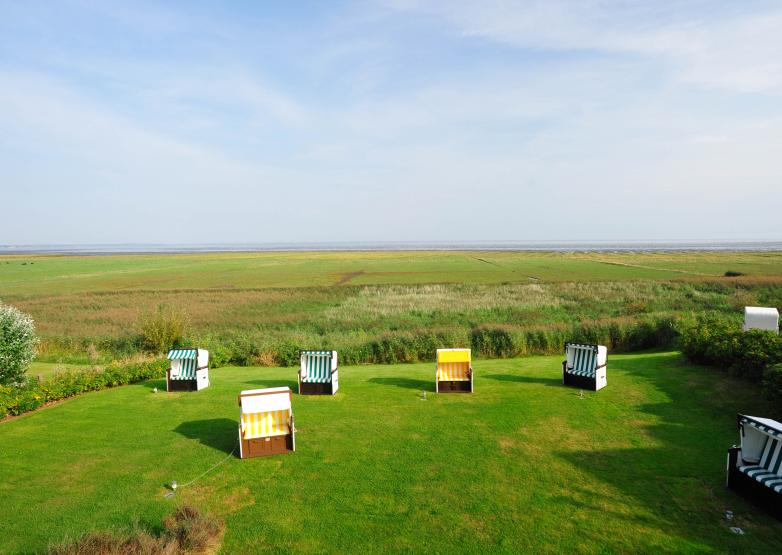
584, 360
179, 354
767, 426
316, 366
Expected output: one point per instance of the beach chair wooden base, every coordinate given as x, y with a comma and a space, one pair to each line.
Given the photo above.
180, 385
454, 386
315, 388
582, 382
265, 446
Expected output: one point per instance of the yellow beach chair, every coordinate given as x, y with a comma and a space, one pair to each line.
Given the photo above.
266, 422
454, 371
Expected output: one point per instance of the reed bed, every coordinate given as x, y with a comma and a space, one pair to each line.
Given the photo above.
268, 326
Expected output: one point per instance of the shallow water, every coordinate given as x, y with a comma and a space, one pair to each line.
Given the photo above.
558, 246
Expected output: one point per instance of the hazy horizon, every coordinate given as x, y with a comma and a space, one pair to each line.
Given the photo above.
391, 246
390, 121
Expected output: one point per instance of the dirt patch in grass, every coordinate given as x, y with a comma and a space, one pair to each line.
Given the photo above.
507, 443
348, 277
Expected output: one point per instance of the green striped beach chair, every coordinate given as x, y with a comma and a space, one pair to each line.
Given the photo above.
755, 466
318, 374
585, 366
189, 370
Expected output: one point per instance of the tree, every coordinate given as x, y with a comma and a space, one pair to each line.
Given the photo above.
17, 344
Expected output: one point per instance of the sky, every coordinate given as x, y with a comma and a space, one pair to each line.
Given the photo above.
269, 122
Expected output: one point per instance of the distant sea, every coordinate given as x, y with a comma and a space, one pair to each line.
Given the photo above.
557, 246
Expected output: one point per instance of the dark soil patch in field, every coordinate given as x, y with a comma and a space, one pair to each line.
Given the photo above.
346, 278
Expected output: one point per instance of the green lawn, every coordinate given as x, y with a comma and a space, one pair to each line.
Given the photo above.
522, 465
45, 370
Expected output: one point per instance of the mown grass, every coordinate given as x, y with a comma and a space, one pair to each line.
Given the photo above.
522, 465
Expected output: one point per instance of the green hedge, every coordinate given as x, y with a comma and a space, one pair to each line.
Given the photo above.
724, 344
754, 354
34, 394
504, 342
415, 345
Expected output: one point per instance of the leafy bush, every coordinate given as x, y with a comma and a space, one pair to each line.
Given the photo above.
496, 342
188, 531
724, 344
219, 355
163, 329
18, 399
754, 354
18, 343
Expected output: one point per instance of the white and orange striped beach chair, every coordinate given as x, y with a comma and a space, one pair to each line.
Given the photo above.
266, 422
454, 371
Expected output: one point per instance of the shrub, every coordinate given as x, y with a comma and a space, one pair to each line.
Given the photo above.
219, 355
287, 353
21, 398
188, 531
163, 329
722, 343
18, 343
494, 342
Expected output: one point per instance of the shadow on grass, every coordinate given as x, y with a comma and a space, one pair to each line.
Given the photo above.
293, 385
406, 383
217, 433
152, 384
523, 379
680, 481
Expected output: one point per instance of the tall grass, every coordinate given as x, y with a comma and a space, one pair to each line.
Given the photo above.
396, 323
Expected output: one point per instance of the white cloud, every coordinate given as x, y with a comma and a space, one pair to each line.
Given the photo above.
729, 46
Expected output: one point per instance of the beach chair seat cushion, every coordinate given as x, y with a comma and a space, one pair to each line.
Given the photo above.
453, 371
768, 471
265, 424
